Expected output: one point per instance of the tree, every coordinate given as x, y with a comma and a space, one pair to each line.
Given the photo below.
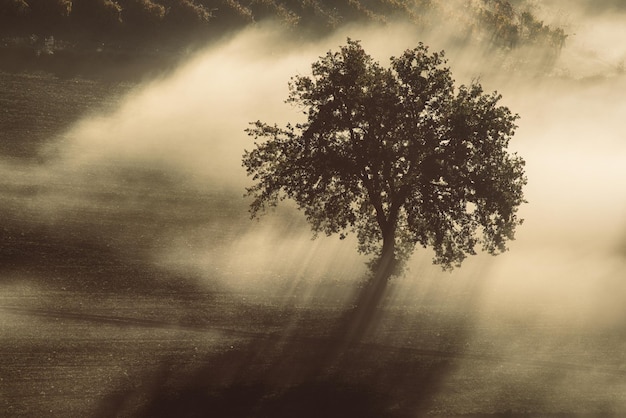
397, 156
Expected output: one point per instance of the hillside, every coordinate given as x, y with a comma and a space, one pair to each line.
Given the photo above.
85, 35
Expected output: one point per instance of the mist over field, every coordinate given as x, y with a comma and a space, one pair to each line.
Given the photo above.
157, 180
184, 135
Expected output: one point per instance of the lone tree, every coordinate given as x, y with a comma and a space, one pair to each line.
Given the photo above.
398, 156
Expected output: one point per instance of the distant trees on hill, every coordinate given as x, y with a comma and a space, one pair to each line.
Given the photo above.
118, 21
509, 27
171, 24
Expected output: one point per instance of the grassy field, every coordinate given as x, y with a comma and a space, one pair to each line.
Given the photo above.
37, 106
172, 354
89, 328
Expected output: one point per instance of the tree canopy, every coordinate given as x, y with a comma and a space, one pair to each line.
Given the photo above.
398, 156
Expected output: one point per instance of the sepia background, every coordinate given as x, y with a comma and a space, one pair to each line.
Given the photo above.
133, 282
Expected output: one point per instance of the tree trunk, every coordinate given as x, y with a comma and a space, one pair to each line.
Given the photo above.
369, 298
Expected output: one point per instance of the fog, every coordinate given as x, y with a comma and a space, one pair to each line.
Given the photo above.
160, 177
157, 182
568, 257
183, 135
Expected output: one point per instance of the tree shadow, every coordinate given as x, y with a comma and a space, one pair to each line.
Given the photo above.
292, 376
